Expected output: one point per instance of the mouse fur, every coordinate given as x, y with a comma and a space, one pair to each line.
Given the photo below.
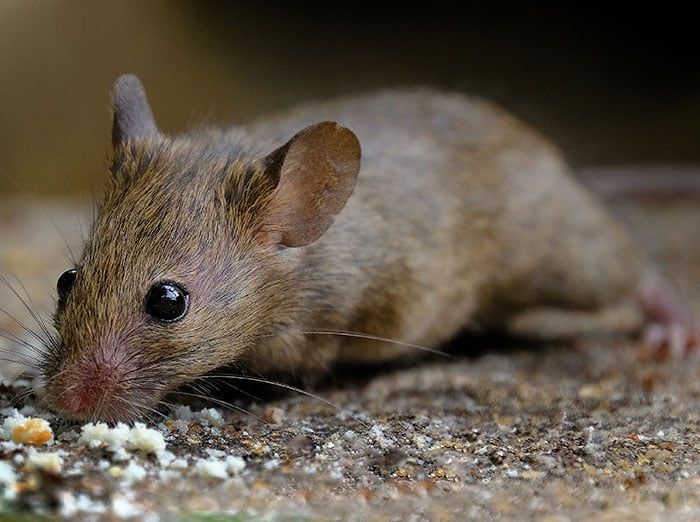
452, 215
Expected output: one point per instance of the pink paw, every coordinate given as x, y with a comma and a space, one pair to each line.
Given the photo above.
672, 331
672, 340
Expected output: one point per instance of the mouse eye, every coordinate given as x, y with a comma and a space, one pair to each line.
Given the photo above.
65, 285
167, 302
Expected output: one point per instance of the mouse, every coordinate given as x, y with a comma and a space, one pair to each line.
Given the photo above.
345, 231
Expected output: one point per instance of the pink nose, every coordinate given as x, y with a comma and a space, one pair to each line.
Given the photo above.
88, 390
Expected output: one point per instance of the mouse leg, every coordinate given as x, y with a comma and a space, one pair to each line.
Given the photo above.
561, 324
670, 330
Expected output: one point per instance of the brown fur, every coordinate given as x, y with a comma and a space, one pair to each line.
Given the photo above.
462, 216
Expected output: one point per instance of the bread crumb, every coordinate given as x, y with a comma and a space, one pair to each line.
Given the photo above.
133, 472
33, 431
8, 479
145, 439
93, 435
235, 464
51, 462
211, 468
165, 458
123, 507
179, 464
101, 435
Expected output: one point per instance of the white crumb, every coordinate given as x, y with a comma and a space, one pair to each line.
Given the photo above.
235, 464
71, 505
183, 413
272, 464
93, 435
7, 473
168, 474
165, 458
210, 417
121, 437
123, 507
120, 455
179, 464
215, 453
116, 437
45, 461
133, 472
145, 439
211, 468
182, 426
101, 435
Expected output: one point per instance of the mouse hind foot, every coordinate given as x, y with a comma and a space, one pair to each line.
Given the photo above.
672, 330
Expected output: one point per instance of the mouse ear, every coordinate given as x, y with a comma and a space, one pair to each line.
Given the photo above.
315, 174
133, 118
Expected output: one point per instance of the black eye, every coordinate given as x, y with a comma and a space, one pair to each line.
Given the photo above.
167, 302
65, 285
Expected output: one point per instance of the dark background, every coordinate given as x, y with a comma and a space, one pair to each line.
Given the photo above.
610, 87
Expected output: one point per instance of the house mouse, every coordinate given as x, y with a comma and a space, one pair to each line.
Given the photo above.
345, 231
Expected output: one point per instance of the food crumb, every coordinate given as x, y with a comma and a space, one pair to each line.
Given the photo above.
211, 468
145, 439
8, 478
51, 462
23, 430
124, 508
235, 464
133, 472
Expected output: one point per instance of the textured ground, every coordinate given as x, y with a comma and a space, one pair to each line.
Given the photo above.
592, 431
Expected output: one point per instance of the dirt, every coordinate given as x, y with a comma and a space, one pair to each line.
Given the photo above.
595, 430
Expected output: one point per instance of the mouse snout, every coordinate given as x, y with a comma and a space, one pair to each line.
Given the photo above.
106, 378
89, 391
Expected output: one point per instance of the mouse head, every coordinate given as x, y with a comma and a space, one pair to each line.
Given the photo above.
191, 258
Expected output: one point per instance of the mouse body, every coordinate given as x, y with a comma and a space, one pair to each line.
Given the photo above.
344, 231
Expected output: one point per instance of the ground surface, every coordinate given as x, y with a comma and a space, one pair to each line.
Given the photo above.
590, 431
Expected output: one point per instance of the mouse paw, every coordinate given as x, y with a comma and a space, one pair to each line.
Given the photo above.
670, 341
672, 331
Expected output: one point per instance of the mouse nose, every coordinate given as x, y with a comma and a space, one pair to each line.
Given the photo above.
91, 390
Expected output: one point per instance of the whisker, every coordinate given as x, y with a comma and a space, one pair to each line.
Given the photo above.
36, 203
22, 358
346, 333
237, 389
21, 342
17, 399
220, 402
139, 405
371, 337
25, 327
80, 222
274, 383
31, 309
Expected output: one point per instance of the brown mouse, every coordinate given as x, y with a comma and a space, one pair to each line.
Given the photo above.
276, 244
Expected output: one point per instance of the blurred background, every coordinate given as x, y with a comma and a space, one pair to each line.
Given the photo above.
609, 88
